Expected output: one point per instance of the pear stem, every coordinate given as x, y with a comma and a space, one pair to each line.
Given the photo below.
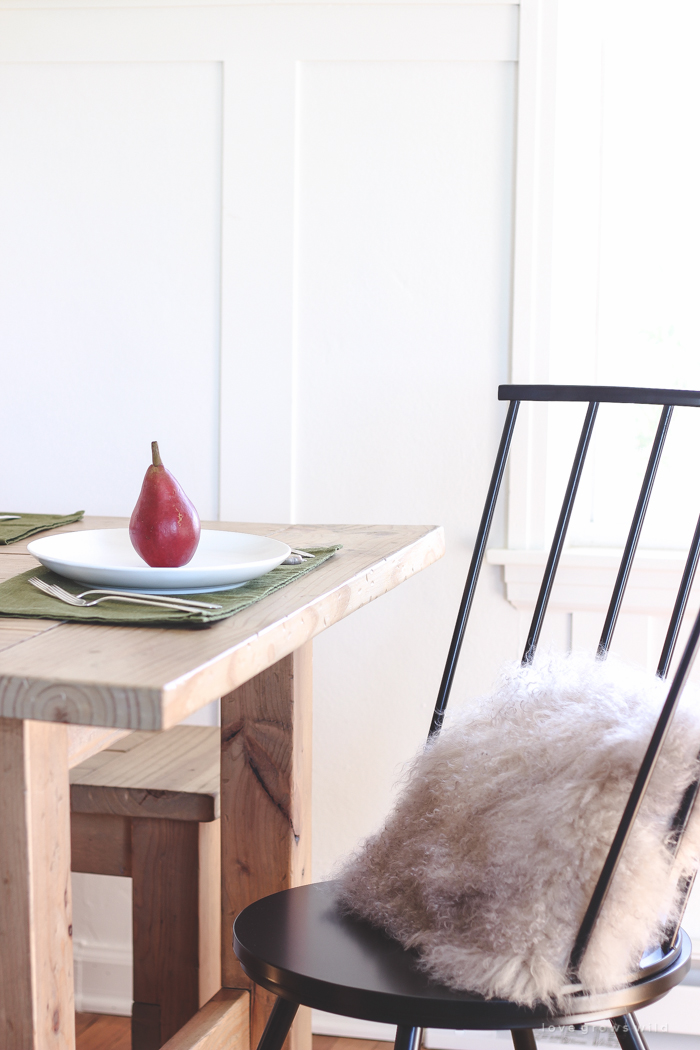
157, 461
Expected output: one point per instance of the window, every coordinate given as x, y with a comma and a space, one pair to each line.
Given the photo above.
622, 147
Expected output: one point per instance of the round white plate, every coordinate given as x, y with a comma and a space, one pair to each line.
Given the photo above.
106, 558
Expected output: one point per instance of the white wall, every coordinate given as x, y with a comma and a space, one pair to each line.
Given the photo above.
277, 238
404, 273
109, 279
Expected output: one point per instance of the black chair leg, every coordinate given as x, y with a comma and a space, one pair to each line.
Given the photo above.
408, 1038
629, 1034
278, 1024
523, 1039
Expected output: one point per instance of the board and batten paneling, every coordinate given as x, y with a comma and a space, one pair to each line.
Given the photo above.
109, 278
403, 277
278, 238
333, 185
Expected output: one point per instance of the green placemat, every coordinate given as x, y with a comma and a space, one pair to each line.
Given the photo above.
28, 524
19, 598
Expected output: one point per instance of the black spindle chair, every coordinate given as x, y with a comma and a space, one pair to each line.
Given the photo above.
297, 945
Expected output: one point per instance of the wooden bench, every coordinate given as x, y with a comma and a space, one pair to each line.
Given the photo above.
148, 807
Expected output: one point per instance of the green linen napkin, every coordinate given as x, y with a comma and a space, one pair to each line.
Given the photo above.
28, 524
19, 598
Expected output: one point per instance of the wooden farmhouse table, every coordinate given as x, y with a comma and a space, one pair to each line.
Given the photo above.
68, 690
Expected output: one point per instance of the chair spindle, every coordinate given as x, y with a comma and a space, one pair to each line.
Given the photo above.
634, 533
636, 798
686, 884
680, 605
682, 814
474, 570
560, 534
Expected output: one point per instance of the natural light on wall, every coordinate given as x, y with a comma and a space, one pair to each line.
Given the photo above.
626, 252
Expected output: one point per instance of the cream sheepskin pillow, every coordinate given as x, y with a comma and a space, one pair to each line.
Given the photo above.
488, 861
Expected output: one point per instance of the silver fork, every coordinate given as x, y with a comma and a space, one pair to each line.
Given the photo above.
156, 602
172, 598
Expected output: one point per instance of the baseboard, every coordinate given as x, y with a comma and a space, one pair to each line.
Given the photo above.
671, 1024
435, 1038
103, 978
350, 1027
103, 984
445, 1039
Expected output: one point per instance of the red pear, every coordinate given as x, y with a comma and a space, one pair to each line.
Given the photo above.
164, 526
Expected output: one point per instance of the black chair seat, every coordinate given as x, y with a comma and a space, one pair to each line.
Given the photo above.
299, 946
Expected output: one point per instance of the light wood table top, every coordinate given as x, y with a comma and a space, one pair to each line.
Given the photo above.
146, 678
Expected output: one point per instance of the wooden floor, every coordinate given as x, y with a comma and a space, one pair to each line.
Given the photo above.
332, 1042
102, 1032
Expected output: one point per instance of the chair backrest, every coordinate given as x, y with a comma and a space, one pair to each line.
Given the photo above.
594, 396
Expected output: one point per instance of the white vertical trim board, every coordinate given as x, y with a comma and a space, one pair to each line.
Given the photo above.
533, 192
532, 259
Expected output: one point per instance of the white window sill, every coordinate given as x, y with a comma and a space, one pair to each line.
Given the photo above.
586, 577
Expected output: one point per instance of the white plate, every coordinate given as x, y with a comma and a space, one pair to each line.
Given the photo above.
106, 558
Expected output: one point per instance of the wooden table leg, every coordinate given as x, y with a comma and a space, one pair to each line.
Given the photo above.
265, 808
175, 866
36, 961
165, 871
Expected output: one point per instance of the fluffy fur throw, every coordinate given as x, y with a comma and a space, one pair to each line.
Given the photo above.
488, 861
